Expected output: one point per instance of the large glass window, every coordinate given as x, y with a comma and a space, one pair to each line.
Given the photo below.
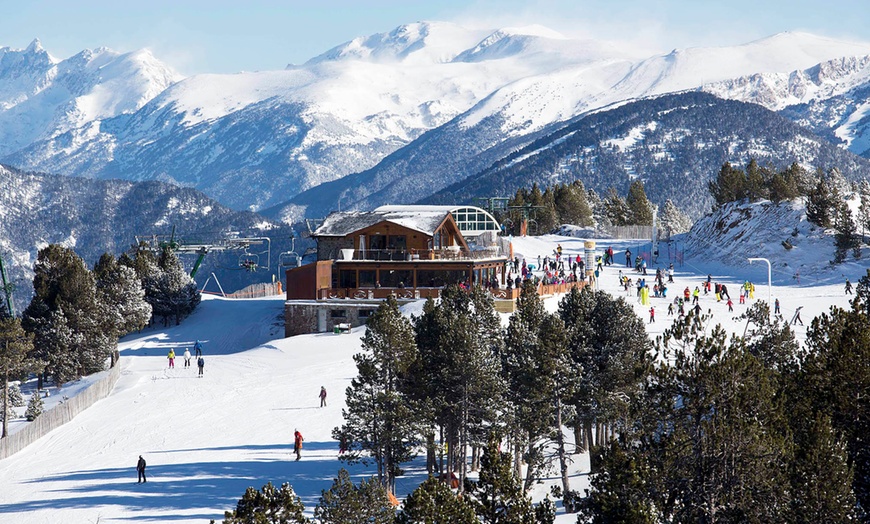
440, 277
398, 242
377, 242
367, 277
393, 277
347, 278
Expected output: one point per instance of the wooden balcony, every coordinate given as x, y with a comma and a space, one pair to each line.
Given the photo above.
433, 292
399, 255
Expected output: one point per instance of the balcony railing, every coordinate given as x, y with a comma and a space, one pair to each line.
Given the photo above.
448, 253
434, 292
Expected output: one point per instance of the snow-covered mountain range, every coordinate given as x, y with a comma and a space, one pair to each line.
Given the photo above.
256, 140
105, 216
42, 97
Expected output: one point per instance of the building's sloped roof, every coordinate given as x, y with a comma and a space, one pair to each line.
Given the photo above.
419, 219
472, 221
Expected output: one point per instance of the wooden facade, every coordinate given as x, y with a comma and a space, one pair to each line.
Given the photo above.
388, 257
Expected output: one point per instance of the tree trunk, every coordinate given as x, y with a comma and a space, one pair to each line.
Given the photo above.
563, 463
475, 458
441, 452
451, 452
587, 430
527, 485
430, 452
5, 398
463, 447
579, 443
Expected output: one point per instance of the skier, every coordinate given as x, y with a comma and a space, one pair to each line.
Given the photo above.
652, 314
297, 444
322, 396
848, 287
643, 266
197, 348
797, 316
140, 469
695, 294
776, 307
671, 309
171, 357
186, 357
730, 306
200, 363
627, 258
670, 274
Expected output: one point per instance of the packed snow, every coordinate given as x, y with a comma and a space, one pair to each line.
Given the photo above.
207, 439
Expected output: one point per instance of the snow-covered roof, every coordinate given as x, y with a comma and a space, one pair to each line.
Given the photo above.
471, 220
423, 220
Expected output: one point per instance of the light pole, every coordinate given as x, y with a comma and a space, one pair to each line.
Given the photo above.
769, 303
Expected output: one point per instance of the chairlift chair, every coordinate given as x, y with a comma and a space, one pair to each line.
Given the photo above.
249, 261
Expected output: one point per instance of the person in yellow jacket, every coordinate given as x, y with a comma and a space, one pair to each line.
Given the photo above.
171, 357
752, 291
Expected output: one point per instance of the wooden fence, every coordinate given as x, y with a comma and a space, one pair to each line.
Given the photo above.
60, 414
265, 289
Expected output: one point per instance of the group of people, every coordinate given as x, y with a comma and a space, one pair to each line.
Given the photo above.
200, 362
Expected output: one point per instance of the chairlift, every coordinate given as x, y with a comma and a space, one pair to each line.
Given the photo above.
249, 261
289, 259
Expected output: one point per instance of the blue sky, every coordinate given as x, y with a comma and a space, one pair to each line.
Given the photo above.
220, 36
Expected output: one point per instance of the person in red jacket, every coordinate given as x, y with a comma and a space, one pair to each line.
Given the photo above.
297, 444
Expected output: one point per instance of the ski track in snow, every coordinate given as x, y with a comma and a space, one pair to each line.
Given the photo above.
207, 439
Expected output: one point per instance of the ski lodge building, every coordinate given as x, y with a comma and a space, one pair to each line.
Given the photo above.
410, 252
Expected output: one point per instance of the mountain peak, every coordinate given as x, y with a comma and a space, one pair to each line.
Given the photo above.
35, 47
426, 41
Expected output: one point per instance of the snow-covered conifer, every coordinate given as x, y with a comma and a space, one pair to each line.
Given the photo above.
35, 407
673, 221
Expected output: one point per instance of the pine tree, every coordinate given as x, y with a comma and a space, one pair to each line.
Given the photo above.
345, 503
380, 418
823, 201
620, 492
835, 375
66, 304
846, 238
541, 379
499, 498
729, 186
459, 373
756, 185
122, 296
616, 210
673, 221
433, 501
864, 209
268, 506
35, 407
724, 455
640, 208
821, 478
572, 206
786, 185
170, 290
608, 341
16, 399
596, 204
15, 364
